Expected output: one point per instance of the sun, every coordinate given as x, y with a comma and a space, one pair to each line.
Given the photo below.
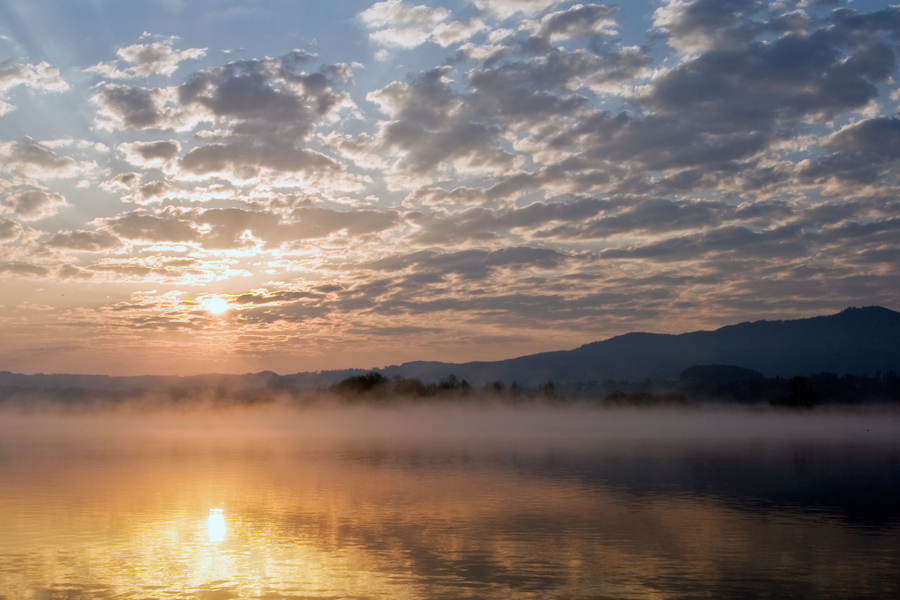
216, 305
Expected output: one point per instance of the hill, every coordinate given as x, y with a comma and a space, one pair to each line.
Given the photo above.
855, 341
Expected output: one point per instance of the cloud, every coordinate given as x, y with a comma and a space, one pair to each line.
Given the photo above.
398, 24
220, 229
271, 108
154, 58
9, 231
154, 192
265, 112
861, 153
85, 241
734, 241
653, 215
508, 108
245, 161
543, 172
579, 21
40, 77
431, 130
507, 8
274, 97
702, 25
149, 228
395, 13
471, 264
33, 204
152, 269
32, 159
23, 270
150, 154
126, 107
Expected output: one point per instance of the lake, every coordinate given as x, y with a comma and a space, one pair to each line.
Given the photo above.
450, 503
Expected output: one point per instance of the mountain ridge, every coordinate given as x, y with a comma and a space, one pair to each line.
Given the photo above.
854, 341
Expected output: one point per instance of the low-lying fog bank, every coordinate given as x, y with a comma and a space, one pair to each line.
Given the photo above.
460, 423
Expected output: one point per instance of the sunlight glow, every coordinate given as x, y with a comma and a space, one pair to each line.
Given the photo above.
216, 525
216, 305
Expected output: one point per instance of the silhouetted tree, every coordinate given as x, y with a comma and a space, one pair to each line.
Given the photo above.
410, 387
892, 386
800, 395
494, 387
548, 390
449, 383
359, 385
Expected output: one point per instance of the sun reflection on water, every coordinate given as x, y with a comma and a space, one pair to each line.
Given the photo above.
216, 525
403, 521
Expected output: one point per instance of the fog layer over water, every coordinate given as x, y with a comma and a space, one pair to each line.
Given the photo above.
465, 423
450, 502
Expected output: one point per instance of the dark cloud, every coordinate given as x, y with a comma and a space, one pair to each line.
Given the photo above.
243, 160
719, 244
271, 108
33, 204
471, 264
130, 107
144, 227
273, 298
652, 215
861, 153
777, 83
233, 228
320, 222
23, 270
9, 230
150, 153
69, 272
85, 241
33, 159
434, 126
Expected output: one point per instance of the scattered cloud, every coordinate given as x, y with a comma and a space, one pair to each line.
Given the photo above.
145, 60
533, 164
40, 77
394, 23
32, 204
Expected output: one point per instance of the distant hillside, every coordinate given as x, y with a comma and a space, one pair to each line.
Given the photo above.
854, 341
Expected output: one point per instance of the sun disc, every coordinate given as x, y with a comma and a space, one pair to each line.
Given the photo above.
216, 306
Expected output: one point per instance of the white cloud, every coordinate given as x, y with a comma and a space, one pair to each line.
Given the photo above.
394, 23
155, 58
398, 14
40, 77
507, 8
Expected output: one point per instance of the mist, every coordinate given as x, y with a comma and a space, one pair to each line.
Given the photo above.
473, 424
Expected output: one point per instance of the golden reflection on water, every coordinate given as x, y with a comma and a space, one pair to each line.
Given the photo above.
144, 518
216, 525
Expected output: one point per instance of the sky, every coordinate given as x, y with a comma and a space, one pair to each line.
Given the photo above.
289, 185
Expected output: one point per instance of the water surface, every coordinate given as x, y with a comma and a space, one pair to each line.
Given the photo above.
452, 504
